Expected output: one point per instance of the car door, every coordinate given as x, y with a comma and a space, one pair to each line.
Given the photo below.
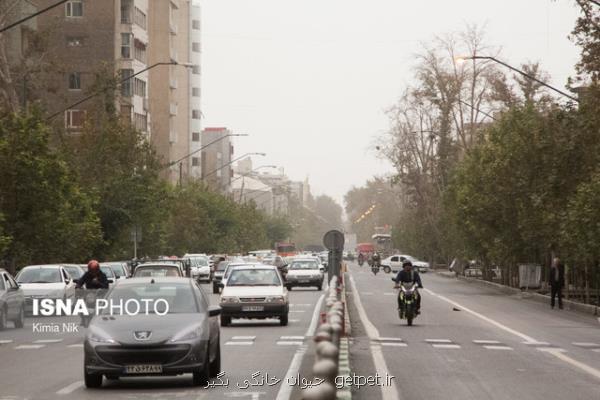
68, 282
395, 262
12, 296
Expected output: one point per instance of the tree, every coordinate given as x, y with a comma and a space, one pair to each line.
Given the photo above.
328, 209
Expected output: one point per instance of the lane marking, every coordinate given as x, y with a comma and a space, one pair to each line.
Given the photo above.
596, 350
48, 341
285, 390
297, 311
239, 343
71, 388
390, 339
585, 344
294, 320
558, 353
394, 344
389, 294
536, 343
388, 392
498, 347
289, 343
77, 345
438, 340
292, 337
446, 346
486, 342
301, 305
243, 338
5, 341
29, 346
315, 318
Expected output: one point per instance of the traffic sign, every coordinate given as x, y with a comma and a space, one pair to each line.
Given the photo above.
334, 240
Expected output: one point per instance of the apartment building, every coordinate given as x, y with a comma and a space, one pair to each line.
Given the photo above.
216, 168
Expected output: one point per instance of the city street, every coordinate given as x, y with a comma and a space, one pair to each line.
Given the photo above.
470, 342
46, 366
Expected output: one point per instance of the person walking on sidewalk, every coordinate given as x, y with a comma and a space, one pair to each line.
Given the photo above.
557, 282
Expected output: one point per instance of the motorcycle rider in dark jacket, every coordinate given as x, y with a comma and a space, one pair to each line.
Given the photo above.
94, 278
408, 275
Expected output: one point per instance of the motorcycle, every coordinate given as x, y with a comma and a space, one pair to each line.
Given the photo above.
89, 296
407, 299
361, 261
374, 269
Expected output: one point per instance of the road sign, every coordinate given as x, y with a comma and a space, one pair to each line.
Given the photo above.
334, 240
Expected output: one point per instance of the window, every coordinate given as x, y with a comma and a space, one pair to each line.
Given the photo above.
139, 87
74, 118
139, 51
139, 17
140, 122
196, 114
195, 161
126, 86
75, 81
126, 11
195, 136
196, 47
74, 41
196, 24
126, 111
126, 45
196, 70
74, 8
196, 92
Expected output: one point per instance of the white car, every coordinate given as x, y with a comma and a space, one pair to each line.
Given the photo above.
305, 272
395, 263
200, 268
45, 281
256, 292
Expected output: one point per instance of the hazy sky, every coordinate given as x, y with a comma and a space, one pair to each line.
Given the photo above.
309, 80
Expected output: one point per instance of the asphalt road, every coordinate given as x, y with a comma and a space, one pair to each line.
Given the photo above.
470, 342
49, 366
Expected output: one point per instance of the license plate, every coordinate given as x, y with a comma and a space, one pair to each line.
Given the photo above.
143, 369
304, 281
253, 308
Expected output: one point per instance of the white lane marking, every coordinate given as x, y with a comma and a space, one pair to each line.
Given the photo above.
388, 392
252, 395
5, 341
555, 352
48, 341
486, 342
294, 320
243, 338
394, 344
29, 346
585, 344
77, 345
239, 343
596, 350
285, 390
389, 339
389, 294
536, 343
438, 340
297, 311
301, 305
292, 337
315, 318
289, 343
71, 388
446, 346
551, 349
498, 347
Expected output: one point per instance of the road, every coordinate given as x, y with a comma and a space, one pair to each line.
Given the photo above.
49, 366
471, 342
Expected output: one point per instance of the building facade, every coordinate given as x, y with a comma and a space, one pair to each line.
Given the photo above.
216, 158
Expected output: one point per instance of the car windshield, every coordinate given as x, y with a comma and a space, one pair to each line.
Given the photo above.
254, 277
39, 275
156, 271
118, 269
200, 261
308, 264
75, 272
179, 296
107, 271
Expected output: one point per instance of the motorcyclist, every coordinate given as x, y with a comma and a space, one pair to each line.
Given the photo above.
94, 278
376, 259
408, 275
361, 258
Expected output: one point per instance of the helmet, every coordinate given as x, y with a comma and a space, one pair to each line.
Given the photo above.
93, 265
406, 263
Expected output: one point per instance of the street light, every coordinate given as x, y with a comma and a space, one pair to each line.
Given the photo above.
122, 81
255, 169
460, 60
231, 162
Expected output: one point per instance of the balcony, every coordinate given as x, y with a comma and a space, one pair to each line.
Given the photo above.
173, 83
173, 108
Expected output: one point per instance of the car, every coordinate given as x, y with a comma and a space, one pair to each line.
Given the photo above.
238, 263
304, 272
185, 339
45, 281
254, 291
218, 275
110, 274
12, 301
75, 271
200, 267
119, 268
394, 263
158, 269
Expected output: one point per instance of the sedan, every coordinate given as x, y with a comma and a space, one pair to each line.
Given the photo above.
157, 270
45, 281
181, 338
304, 272
12, 301
254, 292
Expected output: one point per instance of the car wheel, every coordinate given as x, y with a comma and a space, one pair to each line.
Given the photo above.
283, 320
92, 380
225, 321
20, 321
200, 376
289, 288
387, 269
215, 366
3, 318
215, 289
320, 287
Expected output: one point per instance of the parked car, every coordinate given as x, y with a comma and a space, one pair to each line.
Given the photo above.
12, 301
254, 292
45, 281
394, 263
304, 272
185, 340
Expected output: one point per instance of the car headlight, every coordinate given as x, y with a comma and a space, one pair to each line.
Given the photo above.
188, 334
276, 299
99, 336
229, 299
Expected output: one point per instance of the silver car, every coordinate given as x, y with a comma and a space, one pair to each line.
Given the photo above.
12, 301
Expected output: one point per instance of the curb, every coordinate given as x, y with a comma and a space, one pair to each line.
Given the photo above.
345, 393
540, 298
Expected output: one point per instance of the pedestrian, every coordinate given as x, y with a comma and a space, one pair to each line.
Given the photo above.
557, 282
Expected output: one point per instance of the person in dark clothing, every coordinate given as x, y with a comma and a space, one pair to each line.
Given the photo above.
94, 278
557, 282
408, 275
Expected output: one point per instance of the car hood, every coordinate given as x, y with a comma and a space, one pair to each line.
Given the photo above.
421, 264
252, 291
303, 272
122, 328
39, 289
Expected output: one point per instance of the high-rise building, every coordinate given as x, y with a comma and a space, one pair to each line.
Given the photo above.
216, 158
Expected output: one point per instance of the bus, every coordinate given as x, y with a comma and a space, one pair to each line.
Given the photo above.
285, 249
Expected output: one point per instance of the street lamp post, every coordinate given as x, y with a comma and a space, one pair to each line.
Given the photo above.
525, 74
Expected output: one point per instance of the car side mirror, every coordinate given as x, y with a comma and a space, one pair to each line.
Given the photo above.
111, 281
67, 281
214, 311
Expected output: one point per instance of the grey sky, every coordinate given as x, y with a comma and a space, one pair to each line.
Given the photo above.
309, 80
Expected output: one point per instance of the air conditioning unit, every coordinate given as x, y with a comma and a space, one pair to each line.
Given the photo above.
173, 83
173, 108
